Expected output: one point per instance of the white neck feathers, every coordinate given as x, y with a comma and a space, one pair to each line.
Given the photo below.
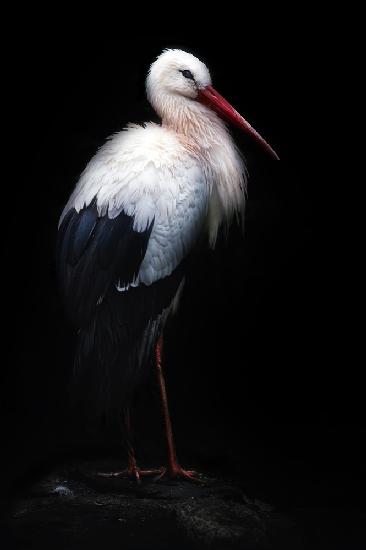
206, 135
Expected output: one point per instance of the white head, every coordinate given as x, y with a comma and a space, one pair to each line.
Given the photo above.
179, 88
176, 72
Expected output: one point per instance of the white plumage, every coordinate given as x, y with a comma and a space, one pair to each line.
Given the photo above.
149, 174
184, 180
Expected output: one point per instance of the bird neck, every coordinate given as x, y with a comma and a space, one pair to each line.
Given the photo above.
206, 136
194, 121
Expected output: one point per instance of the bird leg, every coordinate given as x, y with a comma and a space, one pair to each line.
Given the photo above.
132, 471
174, 469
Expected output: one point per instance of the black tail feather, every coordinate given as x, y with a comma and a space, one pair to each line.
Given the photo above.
115, 351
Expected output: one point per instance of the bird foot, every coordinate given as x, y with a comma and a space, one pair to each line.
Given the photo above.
132, 473
177, 472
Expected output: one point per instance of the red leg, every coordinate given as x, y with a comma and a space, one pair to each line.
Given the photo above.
132, 471
174, 469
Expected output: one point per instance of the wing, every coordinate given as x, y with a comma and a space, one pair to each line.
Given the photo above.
150, 185
124, 238
94, 252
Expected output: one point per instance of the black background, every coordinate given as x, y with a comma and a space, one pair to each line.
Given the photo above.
263, 376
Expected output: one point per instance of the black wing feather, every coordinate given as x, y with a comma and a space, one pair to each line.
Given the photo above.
116, 347
81, 232
117, 329
95, 252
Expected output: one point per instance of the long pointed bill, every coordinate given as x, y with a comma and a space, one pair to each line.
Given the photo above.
208, 96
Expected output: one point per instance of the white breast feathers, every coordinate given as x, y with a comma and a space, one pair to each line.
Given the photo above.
148, 174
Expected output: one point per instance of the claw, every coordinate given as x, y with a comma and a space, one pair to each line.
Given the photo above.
177, 472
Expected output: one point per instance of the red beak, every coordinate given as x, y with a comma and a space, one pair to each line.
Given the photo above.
208, 96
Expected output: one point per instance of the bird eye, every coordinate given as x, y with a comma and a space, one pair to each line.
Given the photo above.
187, 74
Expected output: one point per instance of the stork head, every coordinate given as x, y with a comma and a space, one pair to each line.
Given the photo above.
179, 78
176, 72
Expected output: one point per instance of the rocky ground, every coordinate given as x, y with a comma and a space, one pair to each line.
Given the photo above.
72, 507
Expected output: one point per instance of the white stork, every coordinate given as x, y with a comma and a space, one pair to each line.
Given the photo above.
136, 213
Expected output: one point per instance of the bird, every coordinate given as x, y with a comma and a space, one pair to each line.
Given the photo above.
145, 200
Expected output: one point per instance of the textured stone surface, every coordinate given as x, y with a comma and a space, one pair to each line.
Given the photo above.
74, 507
